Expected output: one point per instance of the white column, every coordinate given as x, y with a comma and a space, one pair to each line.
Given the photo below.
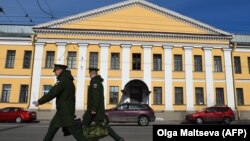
104, 67
80, 90
229, 78
168, 78
59, 60
147, 67
60, 52
209, 76
125, 67
36, 74
189, 78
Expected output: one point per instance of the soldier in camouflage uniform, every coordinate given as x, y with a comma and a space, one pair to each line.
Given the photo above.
64, 92
95, 103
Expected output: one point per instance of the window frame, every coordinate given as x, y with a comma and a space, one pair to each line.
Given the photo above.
178, 62
220, 97
217, 64
157, 62
112, 95
177, 102
93, 59
157, 96
23, 93
197, 98
71, 59
5, 97
240, 101
237, 65
10, 59
198, 63
115, 61
136, 61
27, 59
50, 59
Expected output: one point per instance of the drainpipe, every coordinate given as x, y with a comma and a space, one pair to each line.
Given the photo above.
33, 60
235, 93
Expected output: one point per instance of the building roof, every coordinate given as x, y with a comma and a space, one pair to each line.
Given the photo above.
241, 39
16, 31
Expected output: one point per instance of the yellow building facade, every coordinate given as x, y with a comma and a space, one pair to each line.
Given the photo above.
145, 53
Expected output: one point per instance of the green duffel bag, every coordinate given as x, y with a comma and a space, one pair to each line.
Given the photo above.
95, 131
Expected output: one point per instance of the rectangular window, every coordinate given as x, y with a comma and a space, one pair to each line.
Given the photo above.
198, 63
217, 64
71, 60
199, 96
93, 60
157, 95
157, 62
6, 92
237, 64
50, 56
177, 62
10, 59
115, 61
113, 97
240, 96
220, 96
23, 94
178, 95
136, 61
27, 59
46, 89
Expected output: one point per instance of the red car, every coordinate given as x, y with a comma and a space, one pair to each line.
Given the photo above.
15, 114
222, 114
131, 112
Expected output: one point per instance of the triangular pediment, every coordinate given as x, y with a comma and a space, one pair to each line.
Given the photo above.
133, 16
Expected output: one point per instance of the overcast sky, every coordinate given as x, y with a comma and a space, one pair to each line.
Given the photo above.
229, 15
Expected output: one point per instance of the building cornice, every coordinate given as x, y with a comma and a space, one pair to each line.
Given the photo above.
130, 34
16, 41
131, 43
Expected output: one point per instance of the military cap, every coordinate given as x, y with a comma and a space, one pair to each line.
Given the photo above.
93, 69
59, 66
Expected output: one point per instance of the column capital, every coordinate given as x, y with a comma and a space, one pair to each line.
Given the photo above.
104, 45
227, 49
207, 48
61, 43
126, 45
188, 47
167, 46
147, 46
40, 44
83, 44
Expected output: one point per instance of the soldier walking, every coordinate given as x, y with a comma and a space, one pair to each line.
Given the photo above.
95, 104
64, 92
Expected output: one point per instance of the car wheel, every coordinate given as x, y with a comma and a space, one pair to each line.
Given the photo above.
18, 120
143, 121
199, 120
226, 120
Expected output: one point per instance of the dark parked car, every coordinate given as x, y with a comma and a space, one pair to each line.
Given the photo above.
16, 114
131, 112
222, 114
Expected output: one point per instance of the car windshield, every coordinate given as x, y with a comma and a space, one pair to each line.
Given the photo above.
202, 110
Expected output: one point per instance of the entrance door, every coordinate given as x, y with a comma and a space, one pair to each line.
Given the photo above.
135, 94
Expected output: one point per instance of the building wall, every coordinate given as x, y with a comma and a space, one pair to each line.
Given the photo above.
241, 80
17, 75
